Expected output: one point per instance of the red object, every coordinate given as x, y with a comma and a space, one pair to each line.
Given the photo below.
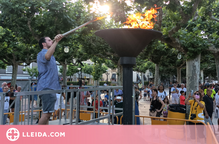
9, 84
182, 100
96, 104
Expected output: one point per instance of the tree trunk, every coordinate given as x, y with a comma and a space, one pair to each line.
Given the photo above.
120, 74
216, 57
156, 77
179, 75
64, 66
202, 76
14, 74
142, 78
209, 78
171, 78
192, 77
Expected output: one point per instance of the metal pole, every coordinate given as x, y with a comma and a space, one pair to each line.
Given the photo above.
98, 105
113, 107
109, 108
31, 122
94, 110
28, 110
66, 95
60, 108
71, 107
133, 111
77, 108
17, 110
2, 95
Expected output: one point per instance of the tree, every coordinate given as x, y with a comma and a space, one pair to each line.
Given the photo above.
33, 72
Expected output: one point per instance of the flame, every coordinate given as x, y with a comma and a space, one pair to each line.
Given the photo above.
99, 18
142, 21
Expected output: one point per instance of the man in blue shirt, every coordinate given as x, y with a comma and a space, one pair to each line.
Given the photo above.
3, 85
48, 76
118, 92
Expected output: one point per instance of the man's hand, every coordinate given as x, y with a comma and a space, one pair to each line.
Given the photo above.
206, 116
158, 110
58, 37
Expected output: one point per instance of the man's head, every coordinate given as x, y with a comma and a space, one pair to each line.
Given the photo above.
4, 84
209, 92
5, 88
170, 82
45, 43
182, 85
19, 88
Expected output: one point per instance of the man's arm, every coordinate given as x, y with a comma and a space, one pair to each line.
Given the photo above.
51, 50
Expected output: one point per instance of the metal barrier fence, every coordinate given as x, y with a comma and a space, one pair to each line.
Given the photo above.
22, 105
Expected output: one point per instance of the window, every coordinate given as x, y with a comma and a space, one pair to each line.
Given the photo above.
9, 69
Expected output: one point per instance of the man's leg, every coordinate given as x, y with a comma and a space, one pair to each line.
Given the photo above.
44, 119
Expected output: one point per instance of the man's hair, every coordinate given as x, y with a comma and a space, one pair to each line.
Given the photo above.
41, 41
181, 92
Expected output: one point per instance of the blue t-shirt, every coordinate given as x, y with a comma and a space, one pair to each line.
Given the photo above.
1, 90
106, 96
118, 93
48, 73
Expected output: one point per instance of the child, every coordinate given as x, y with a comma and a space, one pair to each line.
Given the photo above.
166, 106
182, 98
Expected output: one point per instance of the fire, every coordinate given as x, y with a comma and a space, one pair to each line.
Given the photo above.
99, 18
142, 21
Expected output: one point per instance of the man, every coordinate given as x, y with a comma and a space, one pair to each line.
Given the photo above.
175, 96
208, 111
140, 86
6, 103
182, 89
170, 86
48, 76
118, 92
207, 85
3, 85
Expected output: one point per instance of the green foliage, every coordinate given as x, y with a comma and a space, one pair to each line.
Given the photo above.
101, 83
75, 82
98, 70
33, 72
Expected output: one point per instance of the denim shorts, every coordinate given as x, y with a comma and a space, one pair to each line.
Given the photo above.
48, 101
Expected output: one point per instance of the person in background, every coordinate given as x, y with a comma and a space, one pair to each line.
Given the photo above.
175, 96
148, 92
208, 111
96, 106
12, 98
156, 103
166, 106
196, 113
217, 105
137, 94
118, 92
170, 86
3, 84
145, 93
140, 86
216, 109
207, 85
161, 93
182, 88
153, 87
182, 98
6, 103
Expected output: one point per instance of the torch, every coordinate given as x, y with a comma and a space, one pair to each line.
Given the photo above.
96, 19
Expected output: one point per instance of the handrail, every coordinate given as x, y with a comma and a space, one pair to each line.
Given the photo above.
212, 133
186, 120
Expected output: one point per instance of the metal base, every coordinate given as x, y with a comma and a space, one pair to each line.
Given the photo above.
127, 63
